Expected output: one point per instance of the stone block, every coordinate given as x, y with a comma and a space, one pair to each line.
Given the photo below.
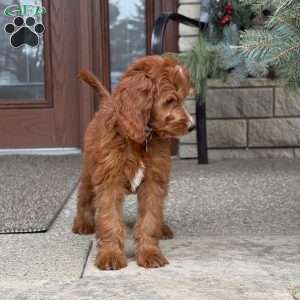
253, 82
221, 133
189, 138
188, 30
189, 1
251, 153
190, 151
287, 102
187, 151
186, 43
297, 153
226, 133
274, 132
236, 103
190, 10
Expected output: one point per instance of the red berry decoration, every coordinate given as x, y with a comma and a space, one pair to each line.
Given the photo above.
225, 20
228, 8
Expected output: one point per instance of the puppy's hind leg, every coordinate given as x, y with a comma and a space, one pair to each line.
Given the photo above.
84, 222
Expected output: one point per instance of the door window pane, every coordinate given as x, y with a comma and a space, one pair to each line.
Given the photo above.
22, 67
127, 34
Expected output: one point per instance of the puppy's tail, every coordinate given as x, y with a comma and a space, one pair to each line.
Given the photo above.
95, 83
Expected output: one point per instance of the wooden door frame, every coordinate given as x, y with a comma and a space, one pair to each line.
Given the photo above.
154, 8
94, 52
171, 37
94, 46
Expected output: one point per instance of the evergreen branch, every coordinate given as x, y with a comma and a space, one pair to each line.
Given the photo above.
259, 3
256, 44
197, 61
279, 44
285, 54
290, 21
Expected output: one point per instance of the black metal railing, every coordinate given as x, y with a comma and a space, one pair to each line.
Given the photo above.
157, 47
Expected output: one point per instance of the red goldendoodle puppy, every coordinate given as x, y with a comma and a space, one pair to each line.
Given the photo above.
127, 150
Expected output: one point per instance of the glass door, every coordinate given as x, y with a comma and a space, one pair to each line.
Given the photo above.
127, 25
21, 65
39, 86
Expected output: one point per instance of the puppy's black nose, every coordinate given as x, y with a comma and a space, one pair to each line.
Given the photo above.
191, 128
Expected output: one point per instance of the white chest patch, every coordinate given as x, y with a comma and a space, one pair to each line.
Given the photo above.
138, 177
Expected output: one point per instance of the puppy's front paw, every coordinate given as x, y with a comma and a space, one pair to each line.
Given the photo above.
110, 260
81, 227
166, 232
151, 258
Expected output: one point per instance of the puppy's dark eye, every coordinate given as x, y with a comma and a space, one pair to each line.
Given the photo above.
171, 102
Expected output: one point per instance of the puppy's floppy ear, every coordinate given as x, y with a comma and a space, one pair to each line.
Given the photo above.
134, 99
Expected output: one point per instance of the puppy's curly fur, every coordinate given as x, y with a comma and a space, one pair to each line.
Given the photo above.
126, 150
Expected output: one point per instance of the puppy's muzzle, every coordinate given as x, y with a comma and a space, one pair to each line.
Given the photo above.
191, 124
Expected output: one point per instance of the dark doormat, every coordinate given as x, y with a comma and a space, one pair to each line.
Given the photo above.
33, 189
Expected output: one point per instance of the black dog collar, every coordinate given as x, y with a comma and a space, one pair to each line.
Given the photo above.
149, 130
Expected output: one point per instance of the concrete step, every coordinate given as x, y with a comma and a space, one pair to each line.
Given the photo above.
206, 268
246, 267
257, 196
202, 266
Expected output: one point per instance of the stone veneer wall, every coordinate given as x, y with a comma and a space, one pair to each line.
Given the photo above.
256, 118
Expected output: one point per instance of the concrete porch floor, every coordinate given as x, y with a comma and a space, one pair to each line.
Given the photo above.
237, 226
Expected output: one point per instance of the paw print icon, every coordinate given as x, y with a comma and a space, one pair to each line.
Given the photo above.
24, 32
